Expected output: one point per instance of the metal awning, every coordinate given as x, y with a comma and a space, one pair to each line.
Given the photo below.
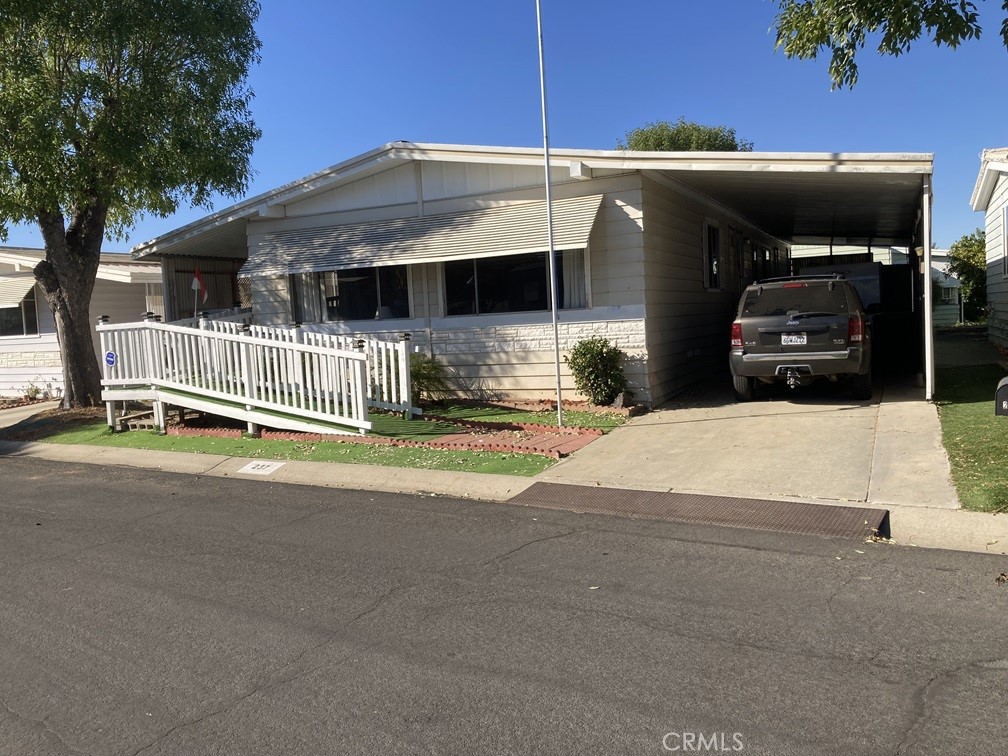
487, 232
14, 287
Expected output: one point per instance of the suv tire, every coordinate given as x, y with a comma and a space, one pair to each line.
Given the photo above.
861, 386
745, 389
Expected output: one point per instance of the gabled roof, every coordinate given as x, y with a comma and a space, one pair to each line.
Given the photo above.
790, 194
112, 266
993, 163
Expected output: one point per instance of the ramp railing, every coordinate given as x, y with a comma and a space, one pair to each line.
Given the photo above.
311, 381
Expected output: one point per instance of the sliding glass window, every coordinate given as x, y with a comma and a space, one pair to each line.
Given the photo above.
514, 283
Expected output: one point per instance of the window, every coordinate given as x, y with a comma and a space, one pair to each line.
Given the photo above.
514, 283
21, 320
1004, 240
712, 256
948, 294
354, 294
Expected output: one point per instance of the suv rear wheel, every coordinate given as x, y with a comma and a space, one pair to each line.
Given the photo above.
861, 385
745, 389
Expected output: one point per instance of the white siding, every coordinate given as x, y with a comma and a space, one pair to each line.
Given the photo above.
442, 180
997, 285
123, 303
395, 186
36, 359
271, 300
688, 324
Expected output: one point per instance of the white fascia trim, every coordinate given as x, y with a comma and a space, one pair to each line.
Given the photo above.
843, 162
985, 183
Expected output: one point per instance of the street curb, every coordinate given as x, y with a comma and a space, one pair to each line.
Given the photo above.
925, 527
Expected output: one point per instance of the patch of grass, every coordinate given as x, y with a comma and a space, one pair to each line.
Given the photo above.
603, 421
98, 434
974, 437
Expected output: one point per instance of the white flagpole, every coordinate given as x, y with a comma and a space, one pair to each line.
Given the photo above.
549, 219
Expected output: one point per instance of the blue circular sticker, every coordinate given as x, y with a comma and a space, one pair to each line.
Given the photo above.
110, 359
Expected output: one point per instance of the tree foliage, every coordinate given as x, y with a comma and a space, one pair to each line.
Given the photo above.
842, 28
683, 136
968, 263
110, 109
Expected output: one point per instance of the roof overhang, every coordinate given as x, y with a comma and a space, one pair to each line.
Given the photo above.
118, 268
993, 163
849, 198
14, 287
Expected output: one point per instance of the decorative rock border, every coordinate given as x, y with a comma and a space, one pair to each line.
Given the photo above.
547, 405
543, 443
185, 430
24, 403
528, 427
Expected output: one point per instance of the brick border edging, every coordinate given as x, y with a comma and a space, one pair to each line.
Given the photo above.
281, 435
24, 403
572, 430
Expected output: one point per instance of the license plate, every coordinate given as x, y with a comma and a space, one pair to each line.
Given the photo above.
793, 339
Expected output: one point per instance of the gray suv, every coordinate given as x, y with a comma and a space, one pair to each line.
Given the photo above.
799, 329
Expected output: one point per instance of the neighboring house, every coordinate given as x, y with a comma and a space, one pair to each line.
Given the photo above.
449, 244
946, 306
819, 254
990, 195
947, 289
29, 351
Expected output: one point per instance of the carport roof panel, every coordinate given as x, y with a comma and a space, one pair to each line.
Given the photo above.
856, 207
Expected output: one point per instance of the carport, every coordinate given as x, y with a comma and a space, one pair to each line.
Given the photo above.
851, 199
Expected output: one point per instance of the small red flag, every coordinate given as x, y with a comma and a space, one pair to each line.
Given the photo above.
198, 284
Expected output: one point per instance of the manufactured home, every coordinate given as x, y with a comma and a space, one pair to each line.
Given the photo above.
990, 196
29, 350
450, 245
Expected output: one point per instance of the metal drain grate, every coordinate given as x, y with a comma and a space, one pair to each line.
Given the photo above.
754, 514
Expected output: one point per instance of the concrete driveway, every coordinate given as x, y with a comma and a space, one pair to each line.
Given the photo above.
814, 444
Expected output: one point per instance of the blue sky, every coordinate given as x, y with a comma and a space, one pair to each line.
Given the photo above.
339, 78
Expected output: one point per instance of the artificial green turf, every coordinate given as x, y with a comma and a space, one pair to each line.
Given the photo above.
976, 440
97, 433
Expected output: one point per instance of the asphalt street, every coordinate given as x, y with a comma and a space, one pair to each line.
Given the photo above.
156, 613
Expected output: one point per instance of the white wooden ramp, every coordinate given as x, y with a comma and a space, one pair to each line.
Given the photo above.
261, 381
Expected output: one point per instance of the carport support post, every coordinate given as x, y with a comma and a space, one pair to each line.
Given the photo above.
928, 314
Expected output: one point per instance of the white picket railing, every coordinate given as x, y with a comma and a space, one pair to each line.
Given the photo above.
311, 381
388, 375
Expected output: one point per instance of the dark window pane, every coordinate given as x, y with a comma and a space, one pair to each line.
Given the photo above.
357, 294
713, 251
30, 315
517, 283
460, 287
11, 323
394, 286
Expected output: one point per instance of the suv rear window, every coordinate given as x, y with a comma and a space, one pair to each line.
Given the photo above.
804, 297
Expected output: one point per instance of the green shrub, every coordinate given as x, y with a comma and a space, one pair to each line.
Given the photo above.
430, 379
597, 369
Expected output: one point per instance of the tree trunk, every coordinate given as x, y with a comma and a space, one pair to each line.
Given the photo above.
67, 279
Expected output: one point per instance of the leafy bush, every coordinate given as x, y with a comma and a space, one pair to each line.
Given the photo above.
430, 379
597, 369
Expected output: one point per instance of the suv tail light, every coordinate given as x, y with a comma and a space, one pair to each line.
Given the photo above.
736, 335
855, 330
